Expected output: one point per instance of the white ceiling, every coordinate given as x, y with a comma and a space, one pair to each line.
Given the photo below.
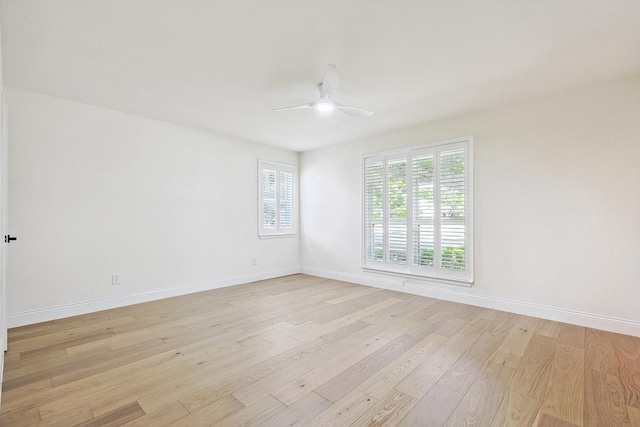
223, 66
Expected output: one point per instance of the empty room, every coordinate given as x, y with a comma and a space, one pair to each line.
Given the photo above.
320, 213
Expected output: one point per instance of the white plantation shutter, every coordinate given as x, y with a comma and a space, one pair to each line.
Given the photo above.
418, 211
374, 212
269, 199
276, 199
423, 213
397, 212
452, 210
286, 199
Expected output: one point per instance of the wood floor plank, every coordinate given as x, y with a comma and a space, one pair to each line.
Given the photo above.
325, 312
421, 379
482, 400
434, 409
567, 379
74, 363
345, 331
604, 400
105, 401
340, 385
504, 358
469, 312
64, 418
451, 327
21, 416
547, 420
112, 393
627, 352
431, 310
321, 329
117, 417
191, 376
354, 294
88, 324
294, 389
254, 415
388, 411
345, 411
516, 410
300, 413
379, 330
257, 390
202, 396
548, 328
116, 359
41, 345
463, 373
401, 309
634, 416
11, 398
163, 417
334, 353
571, 335
517, 340
600, 355
362, 311
532, 376
380, 383
211, 414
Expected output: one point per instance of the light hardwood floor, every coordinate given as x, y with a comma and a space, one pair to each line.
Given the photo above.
302, 350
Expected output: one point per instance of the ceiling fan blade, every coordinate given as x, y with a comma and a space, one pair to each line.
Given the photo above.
331, 81
354, 111
295, 107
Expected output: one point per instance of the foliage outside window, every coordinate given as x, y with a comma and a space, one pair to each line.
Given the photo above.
418, 211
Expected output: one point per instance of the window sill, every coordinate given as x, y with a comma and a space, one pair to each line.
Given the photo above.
455, 282
277, 236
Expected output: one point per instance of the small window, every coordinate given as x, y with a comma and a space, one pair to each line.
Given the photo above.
418, 207
276, 198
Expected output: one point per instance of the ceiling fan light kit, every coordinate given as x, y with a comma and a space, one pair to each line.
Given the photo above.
327, 89
324, 105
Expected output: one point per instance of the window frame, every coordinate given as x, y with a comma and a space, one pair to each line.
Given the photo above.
278, 231
411, 269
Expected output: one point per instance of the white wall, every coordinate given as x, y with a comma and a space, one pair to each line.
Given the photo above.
95, 192
557, 207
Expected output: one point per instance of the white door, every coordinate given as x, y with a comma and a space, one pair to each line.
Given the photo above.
3, 223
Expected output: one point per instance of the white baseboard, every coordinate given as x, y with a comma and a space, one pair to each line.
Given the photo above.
68, 310
467, 296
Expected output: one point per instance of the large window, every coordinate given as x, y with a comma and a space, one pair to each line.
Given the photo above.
276, 201
418, 206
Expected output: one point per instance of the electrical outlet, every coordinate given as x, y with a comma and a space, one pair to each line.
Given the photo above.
403, 283
254, 261
115, 279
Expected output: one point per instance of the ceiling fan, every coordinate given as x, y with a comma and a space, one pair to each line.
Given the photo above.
327, 89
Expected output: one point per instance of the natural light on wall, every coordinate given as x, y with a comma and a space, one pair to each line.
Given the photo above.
418, 206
